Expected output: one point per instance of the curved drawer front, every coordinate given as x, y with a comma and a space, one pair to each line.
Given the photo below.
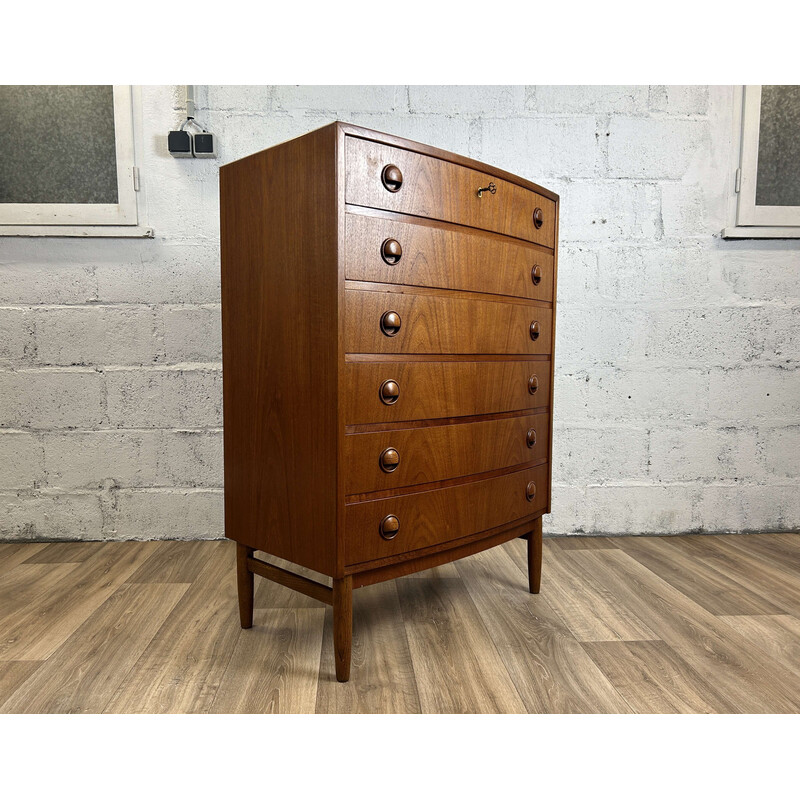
424, 255
392, 459
395, 322
439, 516
441, 389
429, 187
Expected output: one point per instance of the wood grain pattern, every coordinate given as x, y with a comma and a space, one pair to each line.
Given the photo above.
457, 666
750, 681
439, 189
447, 257
60, 553
549, 668
279, 266
442, 515
274, 667
181, 668
707, 586
298, 335
443, 451
778, 636
443, 324
13, 674
44, 625
654, 679
435, 390
15, 553
175, 562
590, 609
111, 639
382, 675
136, 655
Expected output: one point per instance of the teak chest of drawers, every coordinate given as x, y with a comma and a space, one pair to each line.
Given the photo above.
388, 316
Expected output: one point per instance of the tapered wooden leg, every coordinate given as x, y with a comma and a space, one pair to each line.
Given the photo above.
244, 580
535, 557
342, 625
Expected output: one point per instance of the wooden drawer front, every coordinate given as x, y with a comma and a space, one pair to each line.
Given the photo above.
441, 515
443, 324
445, 258
442, 389
391, 459
442, 190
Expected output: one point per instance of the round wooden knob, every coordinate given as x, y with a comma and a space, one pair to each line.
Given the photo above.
390, 392
390, 526
538, 217
530, 491
536, 329
390, 459
390, 323
536, 274
530, 437
533, 384
391, 251
392, 178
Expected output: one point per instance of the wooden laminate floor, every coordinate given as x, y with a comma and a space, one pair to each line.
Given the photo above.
688, 624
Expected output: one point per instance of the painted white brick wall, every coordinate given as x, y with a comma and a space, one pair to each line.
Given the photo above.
677, 386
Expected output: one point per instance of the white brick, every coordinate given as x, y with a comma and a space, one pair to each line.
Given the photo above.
34, 516
755, 273
639, 509
709, 337
449, 133
168, 514
683, 211
610, 211
568, 508
782, 452
679, 99
159, 398
656, 148
655, 396
483, 101
748, 509
91, 459
588, 99
652, 275
192, 333
600, 455
170, 273
341, 101
254, 100
191, 458
587, 337
541, 148
21, 460
768, 394
17, 342
96, 335
577, 274
30, 283
51, 398
679, 453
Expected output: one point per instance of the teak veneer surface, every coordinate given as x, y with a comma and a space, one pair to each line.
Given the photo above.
372, 281
435, 324
446, 258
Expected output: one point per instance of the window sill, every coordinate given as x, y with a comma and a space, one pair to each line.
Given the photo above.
760, 232
85, 231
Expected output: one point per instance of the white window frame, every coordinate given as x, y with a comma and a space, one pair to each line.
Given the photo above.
751, 221
92, 219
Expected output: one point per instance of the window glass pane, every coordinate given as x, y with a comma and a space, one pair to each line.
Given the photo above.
778, 181
57, 144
